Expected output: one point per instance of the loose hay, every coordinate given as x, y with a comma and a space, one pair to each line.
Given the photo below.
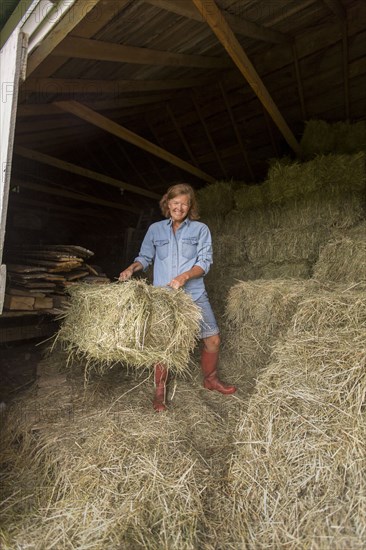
133, 323
298, 476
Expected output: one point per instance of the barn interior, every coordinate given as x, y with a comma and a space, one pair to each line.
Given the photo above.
260, 106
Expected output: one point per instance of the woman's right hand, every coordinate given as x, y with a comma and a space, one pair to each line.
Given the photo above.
126, 274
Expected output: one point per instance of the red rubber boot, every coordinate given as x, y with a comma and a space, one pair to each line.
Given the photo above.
161, 375
209, 369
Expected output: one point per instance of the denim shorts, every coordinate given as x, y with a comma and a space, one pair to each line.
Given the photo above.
208, 323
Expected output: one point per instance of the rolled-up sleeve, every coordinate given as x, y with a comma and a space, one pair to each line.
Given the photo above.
204, 250
147, 251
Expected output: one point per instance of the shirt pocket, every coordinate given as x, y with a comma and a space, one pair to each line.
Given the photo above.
162, 248
189, 247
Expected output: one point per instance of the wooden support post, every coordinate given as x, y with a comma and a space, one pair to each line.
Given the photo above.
270, 133
181, 135
345, 68
211, 13
236, 130
299, 82
208, 135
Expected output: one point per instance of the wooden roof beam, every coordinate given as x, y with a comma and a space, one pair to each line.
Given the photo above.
114, 87
71, 195
112, 127
45, 109
240, 26
77, 12
80, 171
83, 48
337, 8
15, 200
211, 13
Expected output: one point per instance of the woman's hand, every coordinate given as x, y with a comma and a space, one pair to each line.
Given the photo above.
178, 282
126, 274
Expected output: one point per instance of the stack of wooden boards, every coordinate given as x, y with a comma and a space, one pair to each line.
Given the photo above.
38, 276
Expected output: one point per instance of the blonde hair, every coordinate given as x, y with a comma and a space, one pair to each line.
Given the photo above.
174, 191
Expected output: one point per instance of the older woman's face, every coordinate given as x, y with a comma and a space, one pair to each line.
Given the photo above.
179, 207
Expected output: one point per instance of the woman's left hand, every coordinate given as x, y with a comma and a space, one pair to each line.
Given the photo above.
178, 282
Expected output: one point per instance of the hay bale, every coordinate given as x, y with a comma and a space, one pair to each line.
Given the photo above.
257, 313
112, 476
133, 323
320, 137
247, 197
286, 245
343, 259
285, 181
285, 270
216, 198
298, 477
336, 209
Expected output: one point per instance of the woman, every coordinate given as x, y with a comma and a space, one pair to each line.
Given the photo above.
181, 250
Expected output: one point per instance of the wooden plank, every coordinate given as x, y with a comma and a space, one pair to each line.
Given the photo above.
72, 17
25, 332
239, 25
82, 86
75, 196
74, 169
220, 27
98, 50
43, 303
120, 131
18, 302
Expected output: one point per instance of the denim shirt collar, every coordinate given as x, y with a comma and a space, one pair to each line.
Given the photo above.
186, 222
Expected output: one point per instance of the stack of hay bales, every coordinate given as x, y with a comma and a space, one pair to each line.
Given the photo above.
298, 475
277, 229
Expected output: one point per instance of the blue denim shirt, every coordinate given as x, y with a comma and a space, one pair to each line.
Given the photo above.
173, 254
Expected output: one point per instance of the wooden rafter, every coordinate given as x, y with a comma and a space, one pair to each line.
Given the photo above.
98, 50
78, 11
114, 87
88, 27
74, 169
47, 109
211, 13
54, 206
240, 26
112, 127
76, 196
